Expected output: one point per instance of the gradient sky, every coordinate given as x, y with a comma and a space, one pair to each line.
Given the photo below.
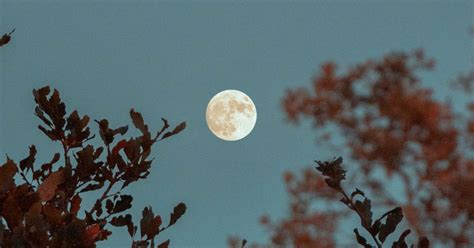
168, 59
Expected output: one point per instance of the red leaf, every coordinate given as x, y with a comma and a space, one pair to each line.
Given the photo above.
47, 189
10, 211
7, 171
150, 224
176, 130
139, 123
178, 211
92, 233
75, 204
119, 146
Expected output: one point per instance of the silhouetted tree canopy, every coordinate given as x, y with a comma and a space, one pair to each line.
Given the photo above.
40, 204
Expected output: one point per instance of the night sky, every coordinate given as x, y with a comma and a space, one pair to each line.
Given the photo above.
168, 59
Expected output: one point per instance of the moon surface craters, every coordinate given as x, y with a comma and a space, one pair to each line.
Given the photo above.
231, 115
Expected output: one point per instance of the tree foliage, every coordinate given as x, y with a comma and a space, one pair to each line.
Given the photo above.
45, 210
408, 149
378, 229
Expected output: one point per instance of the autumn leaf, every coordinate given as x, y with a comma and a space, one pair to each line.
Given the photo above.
121, 220
364, 209
52, 214
178, 211
175, 131
139, 123
7, 171
92, 233
75, 204
119, 146
10, 211
54, 108
149, 224
43, 211
78, 131
47, 189
107, 134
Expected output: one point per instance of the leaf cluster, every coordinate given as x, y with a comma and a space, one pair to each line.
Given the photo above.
358, 202
45, 209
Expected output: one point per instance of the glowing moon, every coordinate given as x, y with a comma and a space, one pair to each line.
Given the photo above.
231, 115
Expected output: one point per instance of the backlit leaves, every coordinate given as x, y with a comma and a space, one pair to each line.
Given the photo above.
45, 211
139, 123
75, 204
78, 130
47, 190
51, 110
149, 224
378, 230
397, 132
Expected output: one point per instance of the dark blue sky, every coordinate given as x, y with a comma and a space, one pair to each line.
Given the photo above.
168, 59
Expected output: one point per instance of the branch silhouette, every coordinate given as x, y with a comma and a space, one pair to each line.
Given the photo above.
45, 210
377, 229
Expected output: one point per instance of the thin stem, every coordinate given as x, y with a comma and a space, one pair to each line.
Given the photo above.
26, 179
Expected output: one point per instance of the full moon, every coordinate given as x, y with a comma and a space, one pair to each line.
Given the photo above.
231, 115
